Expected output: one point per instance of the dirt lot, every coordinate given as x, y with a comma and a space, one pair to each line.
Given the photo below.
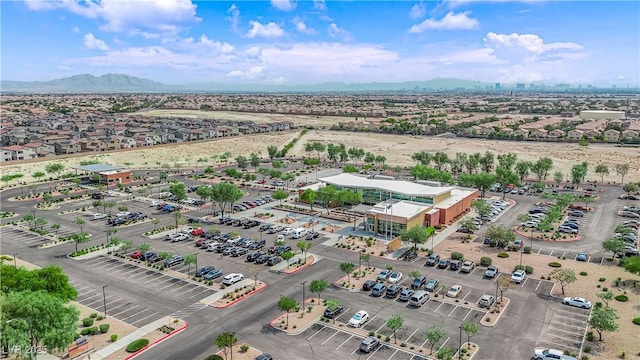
586, 286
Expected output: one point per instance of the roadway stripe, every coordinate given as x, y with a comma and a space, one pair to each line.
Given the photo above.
442, 345
145, 318
540, 282
465, 297
316, 333
413, 333
395, 352
454, 309
125, 310
466, 316
344, 342
330, 337
138, 313
441, 303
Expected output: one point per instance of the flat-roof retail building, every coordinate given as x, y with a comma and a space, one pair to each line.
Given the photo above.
109, 175
398, 205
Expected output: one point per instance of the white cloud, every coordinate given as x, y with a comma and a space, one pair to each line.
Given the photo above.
234, 17
417, 11
206, 44
269, 30
451, 21
75, 29
529, 42
319, 5
283, 5
336, 32
91, 42
302, 27
165, 16
253, 73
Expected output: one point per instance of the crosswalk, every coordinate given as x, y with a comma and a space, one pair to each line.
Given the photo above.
181, 314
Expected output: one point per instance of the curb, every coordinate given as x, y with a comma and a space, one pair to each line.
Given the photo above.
242, 298
337, 284
149, 346
575, 238
301, 329
498, 318
309, 263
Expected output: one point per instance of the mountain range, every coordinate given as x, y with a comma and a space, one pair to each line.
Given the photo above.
117, 83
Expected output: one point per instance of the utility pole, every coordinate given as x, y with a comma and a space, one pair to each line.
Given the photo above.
104, 300
302, 303
460, 347
194, 273
15, 263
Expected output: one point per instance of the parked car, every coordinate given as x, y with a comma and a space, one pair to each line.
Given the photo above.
332, 313
368, 285
465, 230
383, 275
486, 301
378, 289
287, 231
393, 291
432, 260
467, 266
443, 263
203, 270
262, 259
550, 354
582, 256
518, 276
359, 319
577, 302
312, 235
418, 282
98, 216
395, 277
369, 344
576, 213
213, 274
232, 278
567, 230
97, 196
454, 265
454, 291
175, 260
491, 272
432, 284
136, 255
405, 295
274, 260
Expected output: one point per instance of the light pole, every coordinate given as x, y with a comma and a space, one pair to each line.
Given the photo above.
521, 256
302, 303
460, 347
104, 299
196, 255
233, 337
15, 263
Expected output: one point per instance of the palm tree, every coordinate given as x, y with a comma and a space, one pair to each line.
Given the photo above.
80, 222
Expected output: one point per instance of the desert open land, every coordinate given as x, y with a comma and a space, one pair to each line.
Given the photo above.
396, 148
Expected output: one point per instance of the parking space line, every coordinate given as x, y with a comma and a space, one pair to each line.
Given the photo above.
551, 253
441, 303
171, 284
118, 306
465, 297
381, 326
524, 282
442, 345
572, 317
344, 342
389, 358
454, 309
563, 254
140, 276
205, 290
98, 301
424, 342
344, 312
466, 316
90, 297
559, 324
144, 318
125, 310
138, 313
413, 333
94, 261
316, 333
556, 344
539, 282
103, 265
180, 287
127, 271
330, 337
562, 337
472, 271
567, 331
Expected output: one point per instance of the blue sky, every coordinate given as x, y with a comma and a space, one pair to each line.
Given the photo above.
303, 42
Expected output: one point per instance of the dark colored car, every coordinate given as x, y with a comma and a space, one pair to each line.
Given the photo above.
432, 260
368, 285
419, 282
312, 235
332, 313
265, 227
393, 291
213, 274
378, 289
465, 230
253, 256
203, 270
175, 260
274, 260
264, 357
443, 263
282, 249
454, 265
238, 252
97, 196
262, 259
405, 295
255, 245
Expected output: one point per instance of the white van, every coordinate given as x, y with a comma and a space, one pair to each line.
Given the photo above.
419, 298
298, 233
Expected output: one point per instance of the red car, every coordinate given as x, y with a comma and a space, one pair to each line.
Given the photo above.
262, 181
197, 232
136, 255
579, 207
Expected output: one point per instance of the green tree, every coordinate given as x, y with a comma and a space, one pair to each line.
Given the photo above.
445, 353
349, 169
629, 188
189, 260
309, 196
487, 161
564, 277
622, 170
50, 279
603, 319
481, 207
470, 329
225, 342
32, 319
616, 246
54, 168
415, 235
226, 194
38, 175
279, 195
242, 162
144, 247
333, 304
79, 238
272, 150
434, 334
326, 194
165, 255
501, 235
579, 172
605, 296
126, 245
395, 323
318, 286
56, 227
414, 274
503, 284
286, 304
178, 190
483, 181
80, 222
602, 170
254, 160
304, 246
507, 161
347, 268
542, 167
632, 264
287, 255
356, 154
558, 177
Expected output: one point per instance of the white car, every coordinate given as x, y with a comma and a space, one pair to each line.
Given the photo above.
395, 277
232, 278
577, 302
180, 237
98, 216
454, 291
358, 319
518, 276
186, 229
530, 224
550, 354
287, 231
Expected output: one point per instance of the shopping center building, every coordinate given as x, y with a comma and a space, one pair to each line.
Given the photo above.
391, 206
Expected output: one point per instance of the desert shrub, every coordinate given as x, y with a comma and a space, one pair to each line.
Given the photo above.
244, 348
602, 279
387, 339
503, 255
583, 273
527, 249
605, 289
555, 264
485, 261
85, 331
93, 315
104, 328
136, 345
587, 348
371, 333
99, 318
86, 322
590, 336
114, 337
636, 321
528, 269
584, 357
457, 255
622, 298
214, 357
93, 330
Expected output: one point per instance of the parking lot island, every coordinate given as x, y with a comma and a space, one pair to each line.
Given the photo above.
235, 293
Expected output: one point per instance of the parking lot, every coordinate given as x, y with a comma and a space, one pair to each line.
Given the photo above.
564, 328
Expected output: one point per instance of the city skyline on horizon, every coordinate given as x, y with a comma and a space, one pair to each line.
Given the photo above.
313, 42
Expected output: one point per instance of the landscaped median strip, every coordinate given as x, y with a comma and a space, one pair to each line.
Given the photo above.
157, 341
216, 299
314, 309
490, 318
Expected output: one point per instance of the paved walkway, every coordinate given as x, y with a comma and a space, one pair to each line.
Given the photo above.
126, 340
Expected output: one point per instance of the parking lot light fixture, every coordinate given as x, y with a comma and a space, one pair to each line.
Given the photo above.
302, 303
104, 299
460, 344
196, 255
15, 263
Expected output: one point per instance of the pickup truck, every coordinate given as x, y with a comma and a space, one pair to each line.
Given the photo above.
550, 354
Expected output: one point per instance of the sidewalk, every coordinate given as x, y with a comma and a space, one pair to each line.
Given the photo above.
126, 340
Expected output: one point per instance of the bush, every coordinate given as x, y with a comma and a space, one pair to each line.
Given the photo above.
104, 328
136, 345
636, 321
457, 255
503, 255
527, 249
485, 261
583, 273
244, 348
85, 331
99, 318
371, 333
528, 269
590, 336
114, 337
93, 315
587, 349
555, 264
602, 279
93, 330
622, 298
86, 322
214, 357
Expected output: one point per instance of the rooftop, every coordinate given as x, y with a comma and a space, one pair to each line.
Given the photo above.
395, 186
98, 168
403, 208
